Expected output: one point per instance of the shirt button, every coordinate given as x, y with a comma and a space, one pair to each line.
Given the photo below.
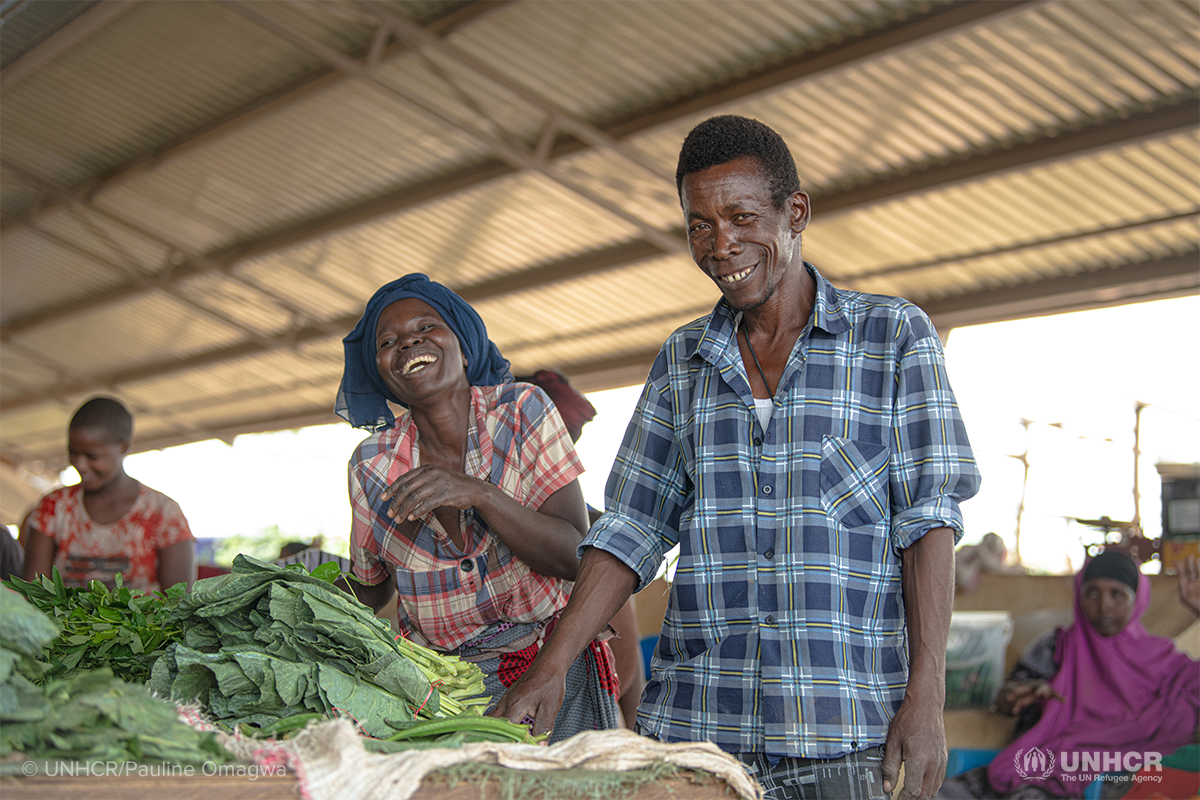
757, 442
769, 554
770, 620
467, 565
767, 489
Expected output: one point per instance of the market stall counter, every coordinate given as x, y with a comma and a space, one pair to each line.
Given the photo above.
328, 761
287, 787
271, 682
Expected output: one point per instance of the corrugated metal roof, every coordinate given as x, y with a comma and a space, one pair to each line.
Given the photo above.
23, 24
198, 197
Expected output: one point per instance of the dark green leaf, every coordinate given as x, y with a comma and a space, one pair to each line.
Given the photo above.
328, 572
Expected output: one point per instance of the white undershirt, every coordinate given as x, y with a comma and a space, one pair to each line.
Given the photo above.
764, 407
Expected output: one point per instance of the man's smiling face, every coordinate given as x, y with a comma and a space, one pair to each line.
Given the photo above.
736, 234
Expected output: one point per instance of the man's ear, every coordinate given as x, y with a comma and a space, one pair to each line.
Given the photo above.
125, 445
799, 211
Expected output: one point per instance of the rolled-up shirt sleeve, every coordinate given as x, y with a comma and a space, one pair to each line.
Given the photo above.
932, 466
648, 487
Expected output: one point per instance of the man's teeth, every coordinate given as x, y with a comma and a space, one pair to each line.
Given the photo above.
737, 276
417, 363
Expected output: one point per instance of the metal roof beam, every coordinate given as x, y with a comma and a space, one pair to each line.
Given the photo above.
1148, 125
961, 259
513, 153
1183, 116
1113, 133
558, 117
1110, 134
62, 40
937, 23
167, 280
922, 28
484, 290
478, 292
228, 431
319, 80
1169, 277
1174, 276
1143, 281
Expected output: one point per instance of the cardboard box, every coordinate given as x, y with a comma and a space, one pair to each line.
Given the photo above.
1176, 548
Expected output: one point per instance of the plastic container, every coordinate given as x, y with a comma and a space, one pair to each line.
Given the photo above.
975, 657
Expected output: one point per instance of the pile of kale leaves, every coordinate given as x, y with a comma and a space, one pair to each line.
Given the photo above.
265, 646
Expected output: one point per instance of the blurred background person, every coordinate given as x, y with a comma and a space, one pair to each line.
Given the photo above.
1102, 685
108, 522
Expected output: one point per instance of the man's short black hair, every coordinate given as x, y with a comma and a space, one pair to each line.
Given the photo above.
719, 140
105, 414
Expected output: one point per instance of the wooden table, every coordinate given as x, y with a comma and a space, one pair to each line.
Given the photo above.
286, 787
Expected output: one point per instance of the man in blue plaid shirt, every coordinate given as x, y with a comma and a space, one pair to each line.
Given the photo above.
803, 447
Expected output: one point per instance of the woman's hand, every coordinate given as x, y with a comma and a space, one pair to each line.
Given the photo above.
419, 491
1014, 697
545, 538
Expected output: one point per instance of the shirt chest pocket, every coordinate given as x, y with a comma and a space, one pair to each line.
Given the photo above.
854, 481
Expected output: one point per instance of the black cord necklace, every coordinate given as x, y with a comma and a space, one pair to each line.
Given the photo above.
754, 355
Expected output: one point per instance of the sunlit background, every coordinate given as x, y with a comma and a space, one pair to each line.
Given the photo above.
1060, 392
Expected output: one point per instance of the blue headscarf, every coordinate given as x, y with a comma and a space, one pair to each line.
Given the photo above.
362, 397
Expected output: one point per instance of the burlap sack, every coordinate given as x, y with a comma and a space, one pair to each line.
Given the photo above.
331, 763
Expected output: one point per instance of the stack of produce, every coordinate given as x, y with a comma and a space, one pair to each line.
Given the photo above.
88, 717
118, 629
266, 649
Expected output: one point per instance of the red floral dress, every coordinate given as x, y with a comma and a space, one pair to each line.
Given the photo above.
130, 546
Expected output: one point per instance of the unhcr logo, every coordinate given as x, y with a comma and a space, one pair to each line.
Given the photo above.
1111, 761
1034, 763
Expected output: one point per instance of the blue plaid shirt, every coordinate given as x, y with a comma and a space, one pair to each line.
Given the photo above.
784, 633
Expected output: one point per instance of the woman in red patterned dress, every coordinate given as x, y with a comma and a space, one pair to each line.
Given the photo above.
108, 522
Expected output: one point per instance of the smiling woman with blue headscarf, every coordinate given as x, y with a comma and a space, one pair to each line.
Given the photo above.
468, 503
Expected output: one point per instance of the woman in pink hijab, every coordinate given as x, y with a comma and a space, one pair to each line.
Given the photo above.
1120, 698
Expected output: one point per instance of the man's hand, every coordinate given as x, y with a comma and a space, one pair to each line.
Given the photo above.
535, 696
916, 737
604, 585
1189, 584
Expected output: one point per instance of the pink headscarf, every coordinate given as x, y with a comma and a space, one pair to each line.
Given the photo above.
1128, 693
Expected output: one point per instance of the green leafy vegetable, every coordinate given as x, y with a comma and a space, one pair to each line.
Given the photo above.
89, 716
265, 644
101, 628
94, 716
23, 629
